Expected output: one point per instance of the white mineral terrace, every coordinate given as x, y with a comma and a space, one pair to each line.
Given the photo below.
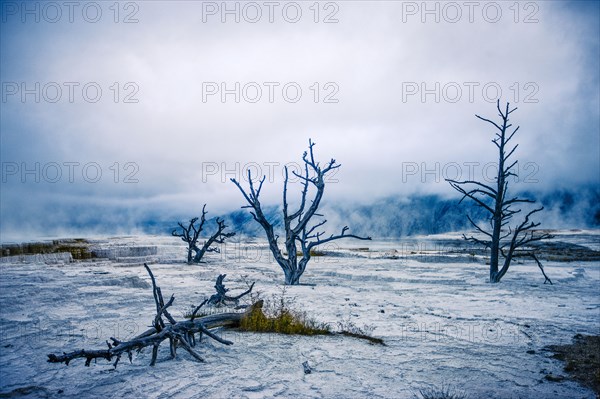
442, 323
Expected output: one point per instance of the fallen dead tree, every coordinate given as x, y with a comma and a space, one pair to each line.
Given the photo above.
178, 333
221, 297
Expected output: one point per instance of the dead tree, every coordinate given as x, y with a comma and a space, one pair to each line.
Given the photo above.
296, 224
179, 333
501, 207
191, 233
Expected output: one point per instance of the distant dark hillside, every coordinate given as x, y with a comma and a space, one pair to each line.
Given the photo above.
431, 214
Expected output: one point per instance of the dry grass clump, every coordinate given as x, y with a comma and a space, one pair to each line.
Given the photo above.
277, 316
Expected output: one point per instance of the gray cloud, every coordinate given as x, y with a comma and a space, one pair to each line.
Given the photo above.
174, 139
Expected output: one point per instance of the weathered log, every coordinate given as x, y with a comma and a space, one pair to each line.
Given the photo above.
179, 333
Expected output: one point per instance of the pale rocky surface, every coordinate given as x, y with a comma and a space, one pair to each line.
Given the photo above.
441, 321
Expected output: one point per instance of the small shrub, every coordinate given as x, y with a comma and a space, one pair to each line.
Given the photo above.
277, 316
287, 322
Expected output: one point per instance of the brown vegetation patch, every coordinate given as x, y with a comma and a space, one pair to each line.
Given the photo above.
582, 359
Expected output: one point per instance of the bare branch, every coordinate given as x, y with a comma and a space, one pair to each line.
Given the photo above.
221, 297
546, 278
335, 237
491, 192
489, 121
471, 195
478, 228
218, 237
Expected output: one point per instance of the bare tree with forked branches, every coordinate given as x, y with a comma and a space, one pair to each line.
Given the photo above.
503, 240
191, 233
298, 230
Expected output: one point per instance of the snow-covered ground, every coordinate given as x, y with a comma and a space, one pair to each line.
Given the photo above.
442, 323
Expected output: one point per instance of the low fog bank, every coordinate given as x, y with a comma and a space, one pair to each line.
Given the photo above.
390, 217
433, 214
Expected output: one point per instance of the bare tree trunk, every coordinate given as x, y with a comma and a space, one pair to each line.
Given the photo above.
296, 224
292, 276
499, 202
494, 201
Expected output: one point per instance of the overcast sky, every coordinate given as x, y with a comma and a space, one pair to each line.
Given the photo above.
166, 138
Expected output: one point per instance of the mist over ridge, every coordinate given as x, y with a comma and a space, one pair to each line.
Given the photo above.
390, 217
